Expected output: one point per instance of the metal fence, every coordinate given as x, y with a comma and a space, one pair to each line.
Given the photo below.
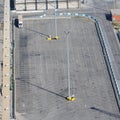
25, 5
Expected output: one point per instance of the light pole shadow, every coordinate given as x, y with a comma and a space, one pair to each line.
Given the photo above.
41, 88
105, 112
41, 34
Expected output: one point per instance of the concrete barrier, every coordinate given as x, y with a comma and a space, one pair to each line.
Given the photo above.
110, 62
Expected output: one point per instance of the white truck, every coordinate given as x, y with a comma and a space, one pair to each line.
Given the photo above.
20, 21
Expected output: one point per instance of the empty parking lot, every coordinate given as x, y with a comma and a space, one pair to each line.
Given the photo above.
41, 72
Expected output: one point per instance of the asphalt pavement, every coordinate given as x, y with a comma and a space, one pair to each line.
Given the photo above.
1, 46
41, 72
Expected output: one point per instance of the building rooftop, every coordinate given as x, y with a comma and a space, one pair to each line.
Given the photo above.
115, 11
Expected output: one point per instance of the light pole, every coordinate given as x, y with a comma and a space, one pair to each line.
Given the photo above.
55, 23
114, 4
55, 8
69, 97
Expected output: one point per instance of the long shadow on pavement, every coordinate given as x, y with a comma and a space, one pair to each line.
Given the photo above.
46, 90
105, 112
42, 34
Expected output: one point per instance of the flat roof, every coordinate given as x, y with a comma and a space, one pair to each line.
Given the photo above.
115, 11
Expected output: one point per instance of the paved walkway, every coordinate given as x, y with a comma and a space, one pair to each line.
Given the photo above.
1, 43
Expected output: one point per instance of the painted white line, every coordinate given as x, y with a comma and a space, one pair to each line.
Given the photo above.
83, 14
61, 14
69, 13
76, 14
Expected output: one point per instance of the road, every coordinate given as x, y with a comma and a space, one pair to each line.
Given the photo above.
41, 73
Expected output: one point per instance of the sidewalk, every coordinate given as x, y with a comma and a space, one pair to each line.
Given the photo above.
1, 46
